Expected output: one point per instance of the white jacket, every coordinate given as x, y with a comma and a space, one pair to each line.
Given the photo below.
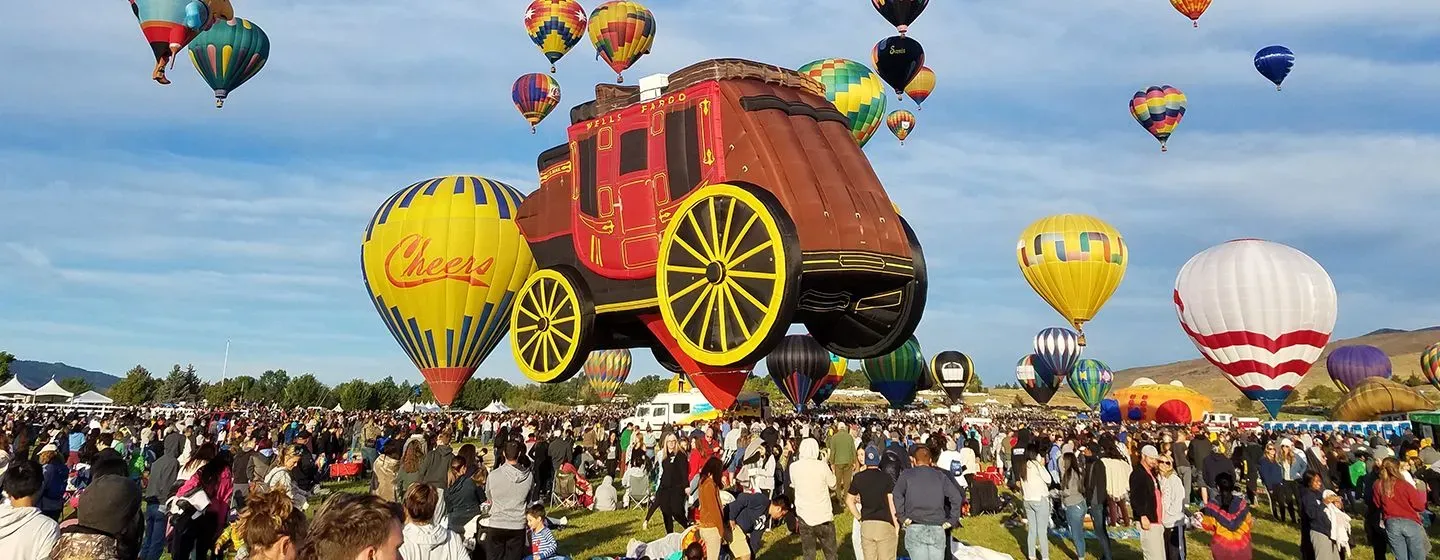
1036, 485
432, 542
812, 480
26, 533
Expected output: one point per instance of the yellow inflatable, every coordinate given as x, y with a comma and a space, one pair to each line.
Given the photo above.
1378, 396
1172, 403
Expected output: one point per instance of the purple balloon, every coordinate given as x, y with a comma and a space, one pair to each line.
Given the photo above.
1349, 365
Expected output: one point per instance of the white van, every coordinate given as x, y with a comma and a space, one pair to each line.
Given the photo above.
691, 406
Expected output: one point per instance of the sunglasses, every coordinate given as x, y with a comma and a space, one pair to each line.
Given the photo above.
1166, 462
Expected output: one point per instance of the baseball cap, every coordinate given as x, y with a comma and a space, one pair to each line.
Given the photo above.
1149, 452
872, 456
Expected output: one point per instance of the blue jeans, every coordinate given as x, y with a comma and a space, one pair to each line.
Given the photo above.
154, 542
1075, 517
1102, 530
925, 542
1407, 538
1037, 525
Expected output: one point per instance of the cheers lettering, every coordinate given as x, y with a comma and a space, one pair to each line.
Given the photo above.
897, 50
409, 264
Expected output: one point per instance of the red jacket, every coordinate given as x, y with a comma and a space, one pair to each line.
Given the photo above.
1406, 503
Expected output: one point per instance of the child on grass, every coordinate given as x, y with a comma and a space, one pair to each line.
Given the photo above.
542, 542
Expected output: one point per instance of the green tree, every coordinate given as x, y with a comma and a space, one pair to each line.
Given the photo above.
76, 385
271, 387
854, 379
1322, 394
227, 390
644, 389
765, 386
355, 395
1244, 405
478, 393
6, 359
974, 385
137, 387
388, 395
182, 385
306, 391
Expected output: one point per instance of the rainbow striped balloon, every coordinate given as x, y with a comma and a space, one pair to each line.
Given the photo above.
1158, 109
900, 122
856, 91
535, 95
606, 370
622, 32
555, 26
1430, 364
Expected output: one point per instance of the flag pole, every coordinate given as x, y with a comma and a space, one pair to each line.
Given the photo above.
225, 365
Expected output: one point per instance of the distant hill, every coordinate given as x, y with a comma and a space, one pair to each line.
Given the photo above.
34, 374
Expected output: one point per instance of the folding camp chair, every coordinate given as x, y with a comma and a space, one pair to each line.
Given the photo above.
564, 492
638, 494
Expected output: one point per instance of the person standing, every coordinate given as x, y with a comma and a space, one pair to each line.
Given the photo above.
24, 531
1227, 518
1035, 483
921, 495
674, 481
842, 458
1072, 498
508, 488
1315, 541
163, 474
1172, 504
812, 481
871, 500
1094, 485
1179, 453
1400, 504
710, 519
1145, 504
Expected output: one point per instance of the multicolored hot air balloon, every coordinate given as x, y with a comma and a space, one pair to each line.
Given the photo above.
901, 122
1091, 381
898, 60
921, 85
1274, 62
900, 13
1033, 382
1349, 365
797, 365
555, 26
954, 370
1260, 311
535, 95
169, 25
228, 55
1158, 109
832, 380
442, 260
1430, 364
856, 91
1192, 9
622, 32
1058, 350
606, 371
897, 374
1075, 262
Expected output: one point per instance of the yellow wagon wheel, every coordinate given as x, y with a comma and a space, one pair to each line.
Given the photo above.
728, 274
550, 329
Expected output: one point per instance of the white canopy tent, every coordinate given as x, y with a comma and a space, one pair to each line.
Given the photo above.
14, 389
422, 407
91, 397
337, 408
407, 407
52, 392
496, 407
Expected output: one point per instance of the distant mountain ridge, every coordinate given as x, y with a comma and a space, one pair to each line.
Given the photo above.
34, 374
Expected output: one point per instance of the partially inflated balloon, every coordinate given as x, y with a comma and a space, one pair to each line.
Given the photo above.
1032, 382
1430, 364
622, 32
1260, 311
1349, 365
535, 95
1274, 62
1058, 350
230, 54
921, 85
1075, 262
1192, 9
897, 374
901, 122
832, 380
797, 365
442, 260
954, 370
900, 13
898, 60
856, 91
606, 370
1091, 381
1158, 109
555, 26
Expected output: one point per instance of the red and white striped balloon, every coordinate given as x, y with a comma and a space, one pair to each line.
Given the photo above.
1260, 311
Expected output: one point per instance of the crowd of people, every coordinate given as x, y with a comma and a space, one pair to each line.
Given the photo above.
247, 484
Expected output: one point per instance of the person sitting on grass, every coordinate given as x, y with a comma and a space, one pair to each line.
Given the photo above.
542, 541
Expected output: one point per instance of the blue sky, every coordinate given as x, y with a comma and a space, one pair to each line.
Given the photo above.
141, 225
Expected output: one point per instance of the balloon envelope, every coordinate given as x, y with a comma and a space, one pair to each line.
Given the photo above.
856, 91
900, 13
954, 370
622, 32
229, 54
1110, 411
1274, 62
1091, 381
1074, 262
797, 365
1430, 364
832, 379
921, 85
555, 26
1159, 110
1031, 380
606, 371
898, 60
535, 96
1349, 365
442, 260
1058, 350
1260, 311
897, 374
1192, 9
900, 122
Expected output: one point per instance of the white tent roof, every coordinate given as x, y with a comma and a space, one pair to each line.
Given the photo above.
496, 407
407, 407
91, 397
15, 387
53, 389
337, 408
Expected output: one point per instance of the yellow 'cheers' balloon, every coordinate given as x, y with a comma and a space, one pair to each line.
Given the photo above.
1075, 262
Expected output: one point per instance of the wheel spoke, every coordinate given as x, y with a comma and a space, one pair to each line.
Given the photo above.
698, 303
526, 329
563, 336
688, 289
715, 247
534, 301
533, 345
562, 320
699, 236
527, 312
747, 254
751, 275
688, 270
705, 322
726, 242
720, 314
550, 299
698, 257
746, 293
743, 230
735, 308
545, 347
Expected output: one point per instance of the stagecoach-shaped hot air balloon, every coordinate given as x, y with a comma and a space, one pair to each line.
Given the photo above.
701, 219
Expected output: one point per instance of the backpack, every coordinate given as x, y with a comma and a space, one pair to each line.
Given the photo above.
890, 463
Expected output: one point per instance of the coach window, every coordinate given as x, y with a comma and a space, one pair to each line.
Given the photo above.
634, 151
